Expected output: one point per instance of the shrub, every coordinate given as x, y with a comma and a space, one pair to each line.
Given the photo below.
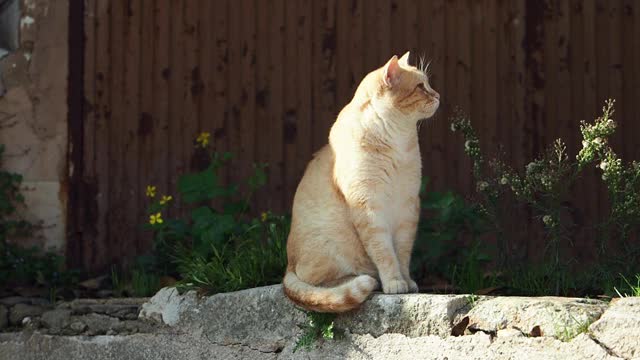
20, 266
621, 180
447, 219
629, 288
542, 187
219, 248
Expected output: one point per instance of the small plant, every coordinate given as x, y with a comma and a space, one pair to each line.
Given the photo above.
118, 286
622, 180
448, 219
319, 326
469, 275
220, 248
245, 261
20, 265
543, 189
472, 300
568, 333
543, 279
144, 283
142, 279
630, 289
543, 186
489, 188
12, 258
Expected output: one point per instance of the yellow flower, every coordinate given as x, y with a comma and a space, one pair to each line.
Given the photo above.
263, 216
151, 191
165, 199
203, 139
155, 219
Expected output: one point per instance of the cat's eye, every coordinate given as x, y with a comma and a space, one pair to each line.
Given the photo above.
422, 87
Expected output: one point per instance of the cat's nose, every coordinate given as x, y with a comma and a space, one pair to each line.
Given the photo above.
436, 95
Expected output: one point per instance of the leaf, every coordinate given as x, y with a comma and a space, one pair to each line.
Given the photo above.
209, 228
258, 178
193, 187
200, 186
235, 208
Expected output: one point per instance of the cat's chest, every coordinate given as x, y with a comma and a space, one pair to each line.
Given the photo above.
405, 177
407, 164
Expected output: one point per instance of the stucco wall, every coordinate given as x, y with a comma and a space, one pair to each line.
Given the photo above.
33, 115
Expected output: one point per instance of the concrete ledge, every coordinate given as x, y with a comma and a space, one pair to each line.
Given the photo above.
261, 323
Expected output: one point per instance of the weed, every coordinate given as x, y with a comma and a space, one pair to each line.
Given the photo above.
240, 264
541, 279
542, 188
469, 275
448, 218
472, 300
117, 284
20, 265
219, 248
622, 181
489, 188
631, 289
568, 333
144, 283
318, 326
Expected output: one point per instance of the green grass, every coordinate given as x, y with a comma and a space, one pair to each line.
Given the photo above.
567, 333
472, 300
244, 262
469, 275
319, 326
629, 289
144, 283
137, 282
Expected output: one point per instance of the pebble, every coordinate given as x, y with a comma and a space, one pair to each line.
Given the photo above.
78, 326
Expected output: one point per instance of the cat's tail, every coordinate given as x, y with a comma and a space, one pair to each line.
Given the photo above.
344, 297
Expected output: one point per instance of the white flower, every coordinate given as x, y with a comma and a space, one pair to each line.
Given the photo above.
603, 165
585, 143
453, 127
482, 185
467, 145
504, 181
597, 141
547, 219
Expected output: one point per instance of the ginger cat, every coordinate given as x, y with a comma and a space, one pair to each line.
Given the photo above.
356, 209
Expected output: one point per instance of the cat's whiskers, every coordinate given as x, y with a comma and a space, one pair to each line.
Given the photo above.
423, 65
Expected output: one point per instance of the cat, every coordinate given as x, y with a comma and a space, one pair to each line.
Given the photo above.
356, 209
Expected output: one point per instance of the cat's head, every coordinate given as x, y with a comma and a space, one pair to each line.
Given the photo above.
404, 90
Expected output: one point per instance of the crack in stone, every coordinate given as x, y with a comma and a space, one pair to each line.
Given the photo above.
492, 333
278, 349
604, 347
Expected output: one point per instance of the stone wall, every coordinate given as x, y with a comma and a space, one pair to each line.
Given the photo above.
33, 115
262, 323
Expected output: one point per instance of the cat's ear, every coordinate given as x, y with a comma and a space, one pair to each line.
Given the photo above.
391, 73
404, 60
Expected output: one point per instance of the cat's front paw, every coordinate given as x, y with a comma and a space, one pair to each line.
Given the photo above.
395, 286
